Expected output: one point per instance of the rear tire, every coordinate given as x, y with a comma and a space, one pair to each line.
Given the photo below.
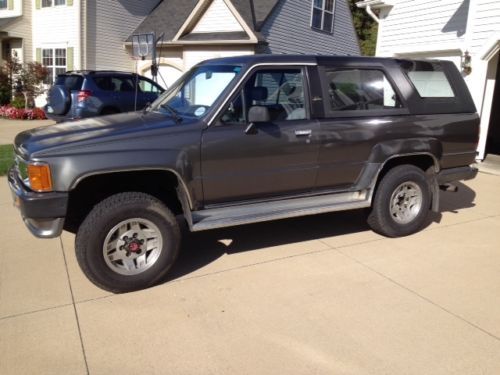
128, 242
402, 202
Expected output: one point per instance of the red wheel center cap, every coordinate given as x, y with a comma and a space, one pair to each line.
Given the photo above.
134, 246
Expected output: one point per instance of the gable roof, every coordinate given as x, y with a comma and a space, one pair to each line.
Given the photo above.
170, 15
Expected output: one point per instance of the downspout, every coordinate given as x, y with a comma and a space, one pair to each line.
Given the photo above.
372, 14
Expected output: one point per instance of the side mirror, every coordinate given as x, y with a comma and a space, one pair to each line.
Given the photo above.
257, 114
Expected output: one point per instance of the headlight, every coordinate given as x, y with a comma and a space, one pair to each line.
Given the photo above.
35, 175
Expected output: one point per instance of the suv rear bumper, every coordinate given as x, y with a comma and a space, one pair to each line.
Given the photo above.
42, 213
456, 174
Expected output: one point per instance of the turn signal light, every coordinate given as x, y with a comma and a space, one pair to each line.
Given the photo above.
40, 179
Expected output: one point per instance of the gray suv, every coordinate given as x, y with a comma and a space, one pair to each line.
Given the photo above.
248, 139
81, 94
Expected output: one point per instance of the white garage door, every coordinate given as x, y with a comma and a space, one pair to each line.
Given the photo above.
167, 75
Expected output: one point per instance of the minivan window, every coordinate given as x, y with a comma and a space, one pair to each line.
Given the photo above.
428, 78
360, 90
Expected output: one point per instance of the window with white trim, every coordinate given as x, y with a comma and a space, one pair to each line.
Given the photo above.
54, 59
3, 4
49, 3
322, 15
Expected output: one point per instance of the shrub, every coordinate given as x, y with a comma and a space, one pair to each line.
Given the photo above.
18, 102
21, 113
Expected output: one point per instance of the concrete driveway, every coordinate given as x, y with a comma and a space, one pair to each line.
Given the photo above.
10, 128
316, 295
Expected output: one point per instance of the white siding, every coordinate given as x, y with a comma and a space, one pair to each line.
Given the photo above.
485, 24
109, 24
418, 25
217, 18
57, 27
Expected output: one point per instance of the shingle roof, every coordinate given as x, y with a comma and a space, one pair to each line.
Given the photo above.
170, 15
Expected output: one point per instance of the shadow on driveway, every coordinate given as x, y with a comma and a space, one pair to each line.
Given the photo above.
202, 248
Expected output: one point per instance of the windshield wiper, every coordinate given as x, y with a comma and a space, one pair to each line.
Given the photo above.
172, 111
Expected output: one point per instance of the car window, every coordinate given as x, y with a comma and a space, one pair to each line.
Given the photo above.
235, 112
428, 78
104, 83
360, 90
148, 86
123, 84
71, 82
280, 90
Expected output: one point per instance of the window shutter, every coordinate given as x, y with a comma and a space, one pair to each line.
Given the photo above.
69, 2
69, 58
38, 55
10, 4
38, 4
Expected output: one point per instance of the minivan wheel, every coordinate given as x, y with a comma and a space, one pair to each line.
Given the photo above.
127, 242
401, 203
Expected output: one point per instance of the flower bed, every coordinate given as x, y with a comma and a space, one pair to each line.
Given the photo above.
13, 113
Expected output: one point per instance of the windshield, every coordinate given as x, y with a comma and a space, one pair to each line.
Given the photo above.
195, 93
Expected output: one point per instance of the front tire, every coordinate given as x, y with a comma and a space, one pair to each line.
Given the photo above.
128, 242
402, 202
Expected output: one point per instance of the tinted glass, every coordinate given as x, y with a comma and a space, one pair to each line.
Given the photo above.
104, 83
71, 82
123, 84
356, 89
428, 78
148, 86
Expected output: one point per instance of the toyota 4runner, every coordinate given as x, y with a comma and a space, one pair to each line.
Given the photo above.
243, 140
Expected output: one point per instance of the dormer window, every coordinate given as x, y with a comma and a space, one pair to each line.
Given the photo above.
322, 15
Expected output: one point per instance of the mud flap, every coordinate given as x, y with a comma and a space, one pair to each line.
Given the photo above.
433, 183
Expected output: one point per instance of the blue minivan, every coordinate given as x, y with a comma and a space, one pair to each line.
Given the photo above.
82, 94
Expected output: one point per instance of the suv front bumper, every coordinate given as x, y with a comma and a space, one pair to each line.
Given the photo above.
42, 213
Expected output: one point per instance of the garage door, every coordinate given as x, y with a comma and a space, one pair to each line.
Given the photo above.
167, 75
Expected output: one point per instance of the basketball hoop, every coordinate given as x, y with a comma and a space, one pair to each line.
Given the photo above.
143, 45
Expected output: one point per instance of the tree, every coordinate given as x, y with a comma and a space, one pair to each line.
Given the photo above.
366, 29
31, 77
24, 81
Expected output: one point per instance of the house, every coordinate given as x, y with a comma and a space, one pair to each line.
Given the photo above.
15, 30
466, 32
198, 30
96, 34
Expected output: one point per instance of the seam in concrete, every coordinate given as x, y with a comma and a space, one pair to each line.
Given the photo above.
74, 308
420, 296
34, 311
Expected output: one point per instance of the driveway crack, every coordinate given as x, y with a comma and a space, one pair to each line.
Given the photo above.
420, 296
74, 308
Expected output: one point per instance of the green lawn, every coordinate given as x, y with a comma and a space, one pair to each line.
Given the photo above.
6, 158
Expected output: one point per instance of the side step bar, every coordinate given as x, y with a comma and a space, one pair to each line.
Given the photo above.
267, 211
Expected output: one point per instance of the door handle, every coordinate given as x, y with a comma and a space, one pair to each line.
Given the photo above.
303, 133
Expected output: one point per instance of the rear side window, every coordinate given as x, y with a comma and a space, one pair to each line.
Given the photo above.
104, 83
429, 79
148, 86
71, 82
360, 90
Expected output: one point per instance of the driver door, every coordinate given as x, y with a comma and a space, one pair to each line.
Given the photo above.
277, 158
